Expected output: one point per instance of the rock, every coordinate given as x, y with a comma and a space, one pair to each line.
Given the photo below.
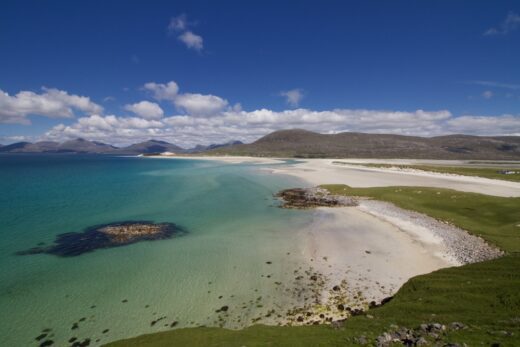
457, 326
362, 340
386, 300
336, 288
222, 309
105, 236
384, 340
302, 198
421, 341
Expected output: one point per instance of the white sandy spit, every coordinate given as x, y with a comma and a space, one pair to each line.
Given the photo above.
324, 171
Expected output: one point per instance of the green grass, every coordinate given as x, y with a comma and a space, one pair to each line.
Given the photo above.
484, 296
488, 172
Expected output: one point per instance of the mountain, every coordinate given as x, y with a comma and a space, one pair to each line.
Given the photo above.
303, 143
201, 148
90, 147
84, 146
73, 146
151, 146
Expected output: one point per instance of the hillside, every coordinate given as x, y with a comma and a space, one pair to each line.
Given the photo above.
302, 143
151, 146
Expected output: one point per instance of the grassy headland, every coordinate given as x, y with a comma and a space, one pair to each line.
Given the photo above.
484, 296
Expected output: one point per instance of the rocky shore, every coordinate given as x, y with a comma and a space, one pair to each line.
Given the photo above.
459, 245
304, 198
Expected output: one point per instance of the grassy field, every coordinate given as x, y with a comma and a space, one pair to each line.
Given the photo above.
487, 172
483, 296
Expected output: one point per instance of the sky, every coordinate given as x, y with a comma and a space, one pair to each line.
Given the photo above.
202, 72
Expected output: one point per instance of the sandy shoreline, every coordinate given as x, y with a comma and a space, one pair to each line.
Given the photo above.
369, 251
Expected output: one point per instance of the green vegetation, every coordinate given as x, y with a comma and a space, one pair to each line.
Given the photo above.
483, 296
487, 172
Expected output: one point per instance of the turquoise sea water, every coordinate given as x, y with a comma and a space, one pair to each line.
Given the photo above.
234, 229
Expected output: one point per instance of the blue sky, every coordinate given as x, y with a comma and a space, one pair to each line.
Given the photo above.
387, 66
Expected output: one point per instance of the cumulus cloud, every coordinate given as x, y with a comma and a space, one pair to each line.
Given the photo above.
106, 128
161, 91
199, 104
247, 126
146, 109
192, 40
293, 97
180, 24
51, 103
194, 104
509, 24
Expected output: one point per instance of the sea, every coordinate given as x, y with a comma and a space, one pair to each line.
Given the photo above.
230, 268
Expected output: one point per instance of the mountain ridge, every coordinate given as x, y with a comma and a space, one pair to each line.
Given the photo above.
301, 143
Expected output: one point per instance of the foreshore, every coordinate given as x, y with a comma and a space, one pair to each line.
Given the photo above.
368, 251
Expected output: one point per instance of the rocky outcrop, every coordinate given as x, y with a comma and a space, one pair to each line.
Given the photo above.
107, 236
303, 198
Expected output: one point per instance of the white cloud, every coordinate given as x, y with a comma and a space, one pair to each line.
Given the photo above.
507, 124
161, 91
146, 109
51, 103
194, 104
178, 23
509, 24
192, 40
495, 84
199, 104
187, 130
293, 97
488, 94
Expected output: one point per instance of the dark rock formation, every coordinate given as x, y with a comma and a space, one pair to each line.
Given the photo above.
302, 198
107, 236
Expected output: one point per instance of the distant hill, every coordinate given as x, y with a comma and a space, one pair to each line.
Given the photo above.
201, 148
72, 146
307, 144
151, 146
87, 147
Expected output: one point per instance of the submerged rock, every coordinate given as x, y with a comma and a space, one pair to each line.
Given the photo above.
107, 236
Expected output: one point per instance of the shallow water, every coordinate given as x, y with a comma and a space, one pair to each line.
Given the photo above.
234, 230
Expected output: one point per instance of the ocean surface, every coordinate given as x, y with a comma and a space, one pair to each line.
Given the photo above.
238, 244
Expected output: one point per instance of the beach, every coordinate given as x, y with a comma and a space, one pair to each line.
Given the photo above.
370, 250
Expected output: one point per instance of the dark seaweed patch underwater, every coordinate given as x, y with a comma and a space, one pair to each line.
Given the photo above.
107, 236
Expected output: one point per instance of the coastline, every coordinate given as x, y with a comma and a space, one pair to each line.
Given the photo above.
361, 255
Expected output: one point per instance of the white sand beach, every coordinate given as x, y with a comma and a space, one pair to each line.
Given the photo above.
372, 249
